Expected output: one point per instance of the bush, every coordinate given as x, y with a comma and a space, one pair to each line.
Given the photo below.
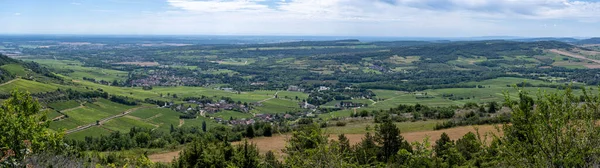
340, 123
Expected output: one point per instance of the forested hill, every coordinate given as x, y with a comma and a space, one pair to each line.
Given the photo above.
12, 68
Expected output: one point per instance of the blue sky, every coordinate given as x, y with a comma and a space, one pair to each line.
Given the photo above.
398, 18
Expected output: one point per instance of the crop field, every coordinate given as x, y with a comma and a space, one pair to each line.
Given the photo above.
31, 86
60, 106
90, 132
52, 114
493, 91
15, 69
292, 95
91, 112
80, 71
124, 124
275, 106
68, 123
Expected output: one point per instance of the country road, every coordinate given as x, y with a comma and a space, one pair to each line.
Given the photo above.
10, 81
275, 95
81, 128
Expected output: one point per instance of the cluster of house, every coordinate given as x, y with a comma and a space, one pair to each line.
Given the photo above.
348, 104
211, 108
162, 78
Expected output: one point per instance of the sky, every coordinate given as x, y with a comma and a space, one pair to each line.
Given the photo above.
382, 18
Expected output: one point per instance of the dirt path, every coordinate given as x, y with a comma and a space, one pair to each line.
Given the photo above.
10, 81
374, 102
275, 95
181, 122
74, 108
100, 122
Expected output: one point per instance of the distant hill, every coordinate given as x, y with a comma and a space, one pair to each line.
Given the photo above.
595, 40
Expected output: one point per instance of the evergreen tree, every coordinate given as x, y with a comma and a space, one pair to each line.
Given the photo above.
388, 136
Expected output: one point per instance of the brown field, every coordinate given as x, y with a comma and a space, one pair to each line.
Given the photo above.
277, 143
139, 63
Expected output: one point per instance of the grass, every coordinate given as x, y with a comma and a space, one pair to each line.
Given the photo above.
91, 112
493, 91
15, 69
60, 106
275, 106
162, 117
80, 71
124, 124
292, 95
68, 123
52, 114
337, 102
31, 86
90, 132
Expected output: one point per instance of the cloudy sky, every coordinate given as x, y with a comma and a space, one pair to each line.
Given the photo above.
394, 18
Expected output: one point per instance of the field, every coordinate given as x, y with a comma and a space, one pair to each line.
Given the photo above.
493, 91
89, 113
276, 106
92, 131
22, 84
60, 106
75, 70
15, 69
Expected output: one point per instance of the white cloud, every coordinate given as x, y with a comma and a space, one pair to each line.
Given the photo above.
75, 3
17, 14
219, 5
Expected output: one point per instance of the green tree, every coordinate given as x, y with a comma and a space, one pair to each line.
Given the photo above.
442, 145
365, 152
388, 136
559, 131
267, 130
493, 107
203, 126
468, 145
249, 132
24, 129
271, 161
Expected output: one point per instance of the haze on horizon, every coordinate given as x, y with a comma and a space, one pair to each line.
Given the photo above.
393, 18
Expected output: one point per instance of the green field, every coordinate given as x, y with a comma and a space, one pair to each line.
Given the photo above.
80, 71
275, 106
15, 69
26, 85
493, 91
60, 106
91, 132
124, 124
91, 112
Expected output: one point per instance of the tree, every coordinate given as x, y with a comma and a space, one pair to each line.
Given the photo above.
249, 132
267, 130
559, 131
203, 126
365, 152
493, 107
344, 143
24, 129
442, 145
271, 161
468, 145
388, 136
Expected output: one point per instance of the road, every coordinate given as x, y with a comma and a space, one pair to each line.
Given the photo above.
11, 81
275, 95
81, 128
